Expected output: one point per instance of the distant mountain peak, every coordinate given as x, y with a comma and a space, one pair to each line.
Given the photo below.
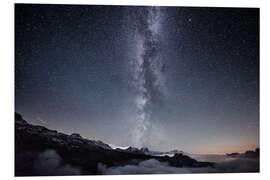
145, 150
132, 149
176, 151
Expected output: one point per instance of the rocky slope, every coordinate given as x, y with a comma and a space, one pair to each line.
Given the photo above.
32, 141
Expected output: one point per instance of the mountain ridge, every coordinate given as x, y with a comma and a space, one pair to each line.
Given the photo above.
33, 140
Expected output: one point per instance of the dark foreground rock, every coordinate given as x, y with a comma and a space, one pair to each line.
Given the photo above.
41, 151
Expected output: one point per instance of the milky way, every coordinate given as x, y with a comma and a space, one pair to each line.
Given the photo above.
163, 77
147, 68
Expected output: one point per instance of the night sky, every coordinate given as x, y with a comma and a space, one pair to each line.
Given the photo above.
162, 77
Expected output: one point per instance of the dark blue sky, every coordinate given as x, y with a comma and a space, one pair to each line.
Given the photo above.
162, 77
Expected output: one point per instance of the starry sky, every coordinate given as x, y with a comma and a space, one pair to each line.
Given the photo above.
167, 78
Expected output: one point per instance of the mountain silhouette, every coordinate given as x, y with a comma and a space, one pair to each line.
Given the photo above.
34, 144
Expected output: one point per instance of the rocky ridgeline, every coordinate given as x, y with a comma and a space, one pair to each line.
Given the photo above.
248, 154
52, 136
32, 140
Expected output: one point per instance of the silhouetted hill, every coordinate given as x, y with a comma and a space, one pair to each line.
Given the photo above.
247, 154
38, 148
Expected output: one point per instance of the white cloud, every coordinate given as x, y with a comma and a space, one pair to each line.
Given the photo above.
49, 163
153, 166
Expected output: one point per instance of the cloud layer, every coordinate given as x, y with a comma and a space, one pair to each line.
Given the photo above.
153, 166
50, 163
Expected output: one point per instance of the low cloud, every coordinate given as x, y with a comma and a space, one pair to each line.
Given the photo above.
50, 163
150, 166
210, 157
239, 165
153, 166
